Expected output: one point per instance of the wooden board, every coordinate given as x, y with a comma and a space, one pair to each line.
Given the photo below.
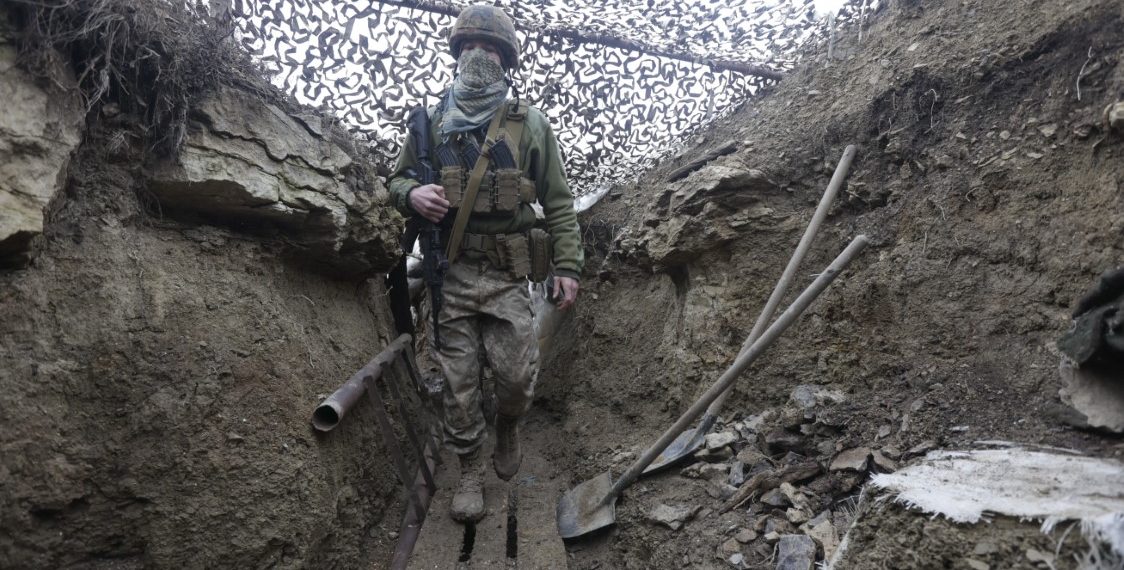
537, 486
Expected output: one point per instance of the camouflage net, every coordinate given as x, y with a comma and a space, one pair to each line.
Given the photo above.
616, 111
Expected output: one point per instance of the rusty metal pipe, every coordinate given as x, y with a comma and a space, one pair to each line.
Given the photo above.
329, 413
420, 498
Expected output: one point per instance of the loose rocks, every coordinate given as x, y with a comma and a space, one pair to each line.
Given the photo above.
672, 517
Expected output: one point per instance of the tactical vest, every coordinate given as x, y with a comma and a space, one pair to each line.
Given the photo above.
503, 188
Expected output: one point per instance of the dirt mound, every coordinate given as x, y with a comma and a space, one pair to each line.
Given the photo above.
991, 191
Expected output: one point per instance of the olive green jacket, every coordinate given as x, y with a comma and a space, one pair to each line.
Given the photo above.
541, 161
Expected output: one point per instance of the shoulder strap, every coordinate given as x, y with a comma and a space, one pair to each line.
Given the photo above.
516, 114
472, 187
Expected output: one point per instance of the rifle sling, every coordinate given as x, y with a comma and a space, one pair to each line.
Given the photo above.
473, 186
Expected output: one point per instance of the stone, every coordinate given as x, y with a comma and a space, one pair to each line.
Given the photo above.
737, 474
823, 533
717, 441
796, 516
884, 431
1035, 555
855, 459
1114, 116
796, 552
883, 463
745, 535
249, 164
772, 536
985, 548
720, 490
40, 128
794, 496
736, 560
807, 396
892, 452
921, 448
780, 441
778, 525
976, 564
672, 517
713, 471
750, 456
757, 421
1048, 130
775, 498
731, 546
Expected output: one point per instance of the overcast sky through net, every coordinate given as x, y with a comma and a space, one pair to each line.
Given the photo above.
616, 111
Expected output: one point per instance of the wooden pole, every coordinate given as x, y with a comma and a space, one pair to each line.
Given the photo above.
611, 41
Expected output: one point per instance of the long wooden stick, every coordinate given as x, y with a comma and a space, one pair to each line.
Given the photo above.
611, 41
742, 362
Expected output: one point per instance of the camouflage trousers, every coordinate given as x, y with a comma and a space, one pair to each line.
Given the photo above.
484, 310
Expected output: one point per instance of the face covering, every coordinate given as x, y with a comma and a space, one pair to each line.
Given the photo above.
478, 69
480, 88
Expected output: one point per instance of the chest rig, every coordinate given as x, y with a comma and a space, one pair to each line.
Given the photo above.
485, 178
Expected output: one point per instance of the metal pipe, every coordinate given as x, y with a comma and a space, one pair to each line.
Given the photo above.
419, 503
328, 414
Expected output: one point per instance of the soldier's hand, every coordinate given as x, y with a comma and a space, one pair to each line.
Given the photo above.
429, 201
565, 292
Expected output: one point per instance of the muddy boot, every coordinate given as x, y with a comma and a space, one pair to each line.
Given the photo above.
508, 455
468, 503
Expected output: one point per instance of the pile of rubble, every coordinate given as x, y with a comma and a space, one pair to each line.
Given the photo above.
789, 472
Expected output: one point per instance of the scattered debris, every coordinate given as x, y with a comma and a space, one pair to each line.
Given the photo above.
883, 463
717, 441
851, 460
672, 517
771, 480
823, 533
796, 552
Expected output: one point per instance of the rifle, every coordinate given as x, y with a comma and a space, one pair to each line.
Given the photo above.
434, 262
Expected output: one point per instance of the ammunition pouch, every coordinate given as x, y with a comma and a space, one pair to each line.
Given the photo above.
542, 254
453, 179
502, 191
523, 256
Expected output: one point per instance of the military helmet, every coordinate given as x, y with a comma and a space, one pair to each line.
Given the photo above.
487, 23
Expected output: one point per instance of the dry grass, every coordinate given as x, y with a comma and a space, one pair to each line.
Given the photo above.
150, 58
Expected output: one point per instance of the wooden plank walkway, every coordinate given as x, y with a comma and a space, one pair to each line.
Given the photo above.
537, 487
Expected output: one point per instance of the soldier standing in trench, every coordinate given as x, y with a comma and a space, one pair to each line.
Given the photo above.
486, 299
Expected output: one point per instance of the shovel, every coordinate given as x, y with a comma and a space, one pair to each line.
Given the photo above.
691, 440
593, 504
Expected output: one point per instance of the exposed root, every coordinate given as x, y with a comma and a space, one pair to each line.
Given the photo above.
151, 59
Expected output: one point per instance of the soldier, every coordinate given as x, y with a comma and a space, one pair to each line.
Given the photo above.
493, 244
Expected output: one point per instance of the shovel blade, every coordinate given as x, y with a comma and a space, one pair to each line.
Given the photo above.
684, 446
587, 507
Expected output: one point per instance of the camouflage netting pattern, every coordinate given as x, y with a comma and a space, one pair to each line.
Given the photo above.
616, 111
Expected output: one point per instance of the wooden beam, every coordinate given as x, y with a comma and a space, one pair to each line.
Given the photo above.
611, 41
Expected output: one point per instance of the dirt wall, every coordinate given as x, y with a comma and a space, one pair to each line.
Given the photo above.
158, 380
168, 324
992, 195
